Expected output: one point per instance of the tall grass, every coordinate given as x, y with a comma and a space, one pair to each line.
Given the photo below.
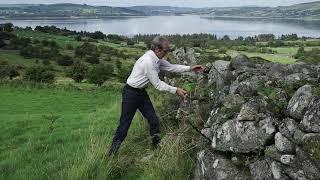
56, 132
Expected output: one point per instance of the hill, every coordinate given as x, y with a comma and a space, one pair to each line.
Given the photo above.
298, 11
65, 10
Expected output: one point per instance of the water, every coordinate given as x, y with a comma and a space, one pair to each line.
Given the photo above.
182, 25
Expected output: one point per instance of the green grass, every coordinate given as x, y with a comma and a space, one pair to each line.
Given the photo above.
13, 57
270, 57
53, 133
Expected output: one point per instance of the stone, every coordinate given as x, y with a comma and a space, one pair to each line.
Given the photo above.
283, 144
277, 71
261, 169
288, 159
241, 62
311, 119
299, 102
212, 166
220, 74
309, 167
249, 112
243, 137
311, 146
272, 152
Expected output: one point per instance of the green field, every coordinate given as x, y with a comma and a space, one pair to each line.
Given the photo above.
52, 133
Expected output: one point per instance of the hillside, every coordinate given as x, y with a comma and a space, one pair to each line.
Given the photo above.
65, 10
303, 11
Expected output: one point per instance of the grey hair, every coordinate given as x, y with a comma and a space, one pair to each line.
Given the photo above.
157, 42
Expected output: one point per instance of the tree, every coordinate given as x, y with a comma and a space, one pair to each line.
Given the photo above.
100, 73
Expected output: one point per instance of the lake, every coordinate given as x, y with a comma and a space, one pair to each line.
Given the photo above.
182, 25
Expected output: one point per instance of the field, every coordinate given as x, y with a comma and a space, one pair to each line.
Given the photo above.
63, 130
56, 133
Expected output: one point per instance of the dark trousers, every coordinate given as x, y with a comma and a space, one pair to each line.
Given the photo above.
133, 99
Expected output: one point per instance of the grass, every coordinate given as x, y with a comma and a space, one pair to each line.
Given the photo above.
53, 133
13, 57
270, 57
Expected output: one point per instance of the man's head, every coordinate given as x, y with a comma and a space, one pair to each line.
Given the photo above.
160, 46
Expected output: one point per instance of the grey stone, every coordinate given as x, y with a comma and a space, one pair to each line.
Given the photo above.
241, 61
243, 137
220, 74
283, 144
248, 112
311, 119
261, 170
309, 167
212, 166
299, 102
273, 153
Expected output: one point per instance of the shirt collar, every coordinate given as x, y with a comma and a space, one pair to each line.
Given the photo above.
154, 56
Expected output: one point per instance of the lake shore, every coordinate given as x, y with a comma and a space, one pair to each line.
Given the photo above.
267, 18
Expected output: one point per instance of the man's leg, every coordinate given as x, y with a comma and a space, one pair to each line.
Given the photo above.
147, 110
129, 106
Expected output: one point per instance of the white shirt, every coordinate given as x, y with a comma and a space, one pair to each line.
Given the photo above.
147, 69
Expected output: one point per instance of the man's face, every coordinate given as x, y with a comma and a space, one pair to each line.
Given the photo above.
162, 52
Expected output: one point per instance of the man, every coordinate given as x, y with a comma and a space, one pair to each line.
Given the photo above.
135, 97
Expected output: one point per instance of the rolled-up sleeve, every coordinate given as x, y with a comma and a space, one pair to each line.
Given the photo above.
166, 66
153, 77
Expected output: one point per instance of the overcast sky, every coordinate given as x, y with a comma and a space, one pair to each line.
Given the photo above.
185, 3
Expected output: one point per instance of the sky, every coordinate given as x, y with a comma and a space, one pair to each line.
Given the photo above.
179, 3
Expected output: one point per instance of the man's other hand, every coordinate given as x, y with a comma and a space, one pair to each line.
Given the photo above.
180, 92
197, 68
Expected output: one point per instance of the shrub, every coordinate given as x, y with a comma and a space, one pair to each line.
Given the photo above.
92, 59
100, 73
39, 74
78, 71
64, 60
8, 71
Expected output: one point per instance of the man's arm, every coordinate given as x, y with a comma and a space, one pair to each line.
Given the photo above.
166, 66
153, 77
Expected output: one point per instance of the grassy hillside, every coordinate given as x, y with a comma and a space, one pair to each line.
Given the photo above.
56, 133
65, 11
299, 11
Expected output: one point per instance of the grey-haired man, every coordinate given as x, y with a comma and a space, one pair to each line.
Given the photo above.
135, 97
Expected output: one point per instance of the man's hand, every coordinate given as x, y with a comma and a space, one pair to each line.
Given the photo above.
180, 92
197, 68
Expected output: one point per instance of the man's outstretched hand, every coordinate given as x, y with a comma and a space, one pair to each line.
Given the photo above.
198, 68
180, 92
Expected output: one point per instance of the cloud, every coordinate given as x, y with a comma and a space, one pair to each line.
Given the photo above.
184, 3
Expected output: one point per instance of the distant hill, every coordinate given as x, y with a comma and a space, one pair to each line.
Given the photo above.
164, 10
64, 10
67, 10
299, 11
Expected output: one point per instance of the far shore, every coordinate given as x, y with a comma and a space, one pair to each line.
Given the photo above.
67, 18
246, 17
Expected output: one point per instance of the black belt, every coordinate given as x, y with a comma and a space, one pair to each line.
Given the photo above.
135, 89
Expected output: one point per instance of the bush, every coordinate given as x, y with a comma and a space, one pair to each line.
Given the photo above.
8, 71
39, 74
92, 59
100, 73
64, 60
87, 49
78, 71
